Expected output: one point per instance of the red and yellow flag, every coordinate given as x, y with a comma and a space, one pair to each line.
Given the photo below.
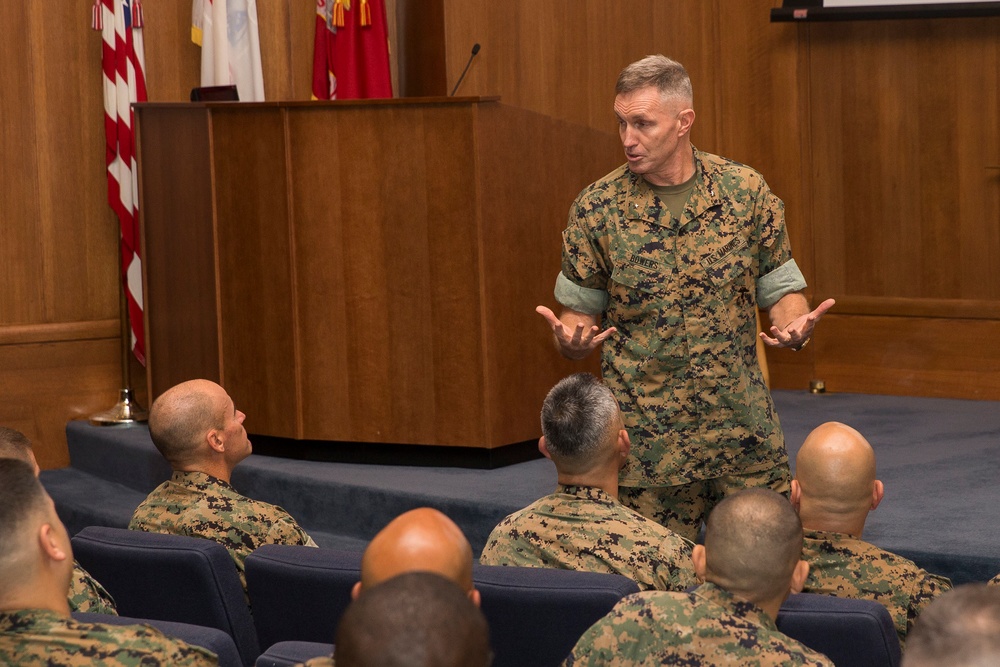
351, 52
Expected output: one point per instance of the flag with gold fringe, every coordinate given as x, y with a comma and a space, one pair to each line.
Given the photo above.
351, 51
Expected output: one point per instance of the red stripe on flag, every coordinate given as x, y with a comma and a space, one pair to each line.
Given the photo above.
124, 83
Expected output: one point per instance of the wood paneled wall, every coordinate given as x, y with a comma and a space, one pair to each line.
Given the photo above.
881, 137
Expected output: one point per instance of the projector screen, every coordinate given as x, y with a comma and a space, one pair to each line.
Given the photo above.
855, 10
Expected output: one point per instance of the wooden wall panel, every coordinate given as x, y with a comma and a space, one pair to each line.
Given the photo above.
904, 116
49, 377
21, 252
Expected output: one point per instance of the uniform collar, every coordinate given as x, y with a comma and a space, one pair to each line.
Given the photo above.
641, 202
734, 605
594, 493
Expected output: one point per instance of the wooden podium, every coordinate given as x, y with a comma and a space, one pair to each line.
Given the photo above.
362, 272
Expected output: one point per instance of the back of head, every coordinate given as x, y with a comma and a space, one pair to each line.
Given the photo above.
23, 506
15, 445
960, 628
580, 422
666, 75
753, 541
418, 619
835, 471
181, 416
423, 539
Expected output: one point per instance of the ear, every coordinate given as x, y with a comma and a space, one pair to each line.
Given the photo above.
699, 559
543, 448
799, 576
474, 596
356, 590
624, 444
51, 543
215, 441
684, 122
796, 495
878, 492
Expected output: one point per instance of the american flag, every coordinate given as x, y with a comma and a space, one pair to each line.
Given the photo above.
120, 22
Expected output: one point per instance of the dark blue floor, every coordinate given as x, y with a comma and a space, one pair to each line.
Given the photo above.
938, 458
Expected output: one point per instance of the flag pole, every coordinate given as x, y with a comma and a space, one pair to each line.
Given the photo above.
126, 410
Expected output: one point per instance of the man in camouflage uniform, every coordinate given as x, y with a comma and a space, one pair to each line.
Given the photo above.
199, 431
750, 561
583, 526
833, 490
36, 564
960, 629
85, 592
673, 252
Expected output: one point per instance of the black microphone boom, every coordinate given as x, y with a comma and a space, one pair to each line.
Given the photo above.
475, 50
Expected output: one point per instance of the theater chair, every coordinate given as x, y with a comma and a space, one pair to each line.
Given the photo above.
299, 593
170, 578
852, 633
216, 641
536, 615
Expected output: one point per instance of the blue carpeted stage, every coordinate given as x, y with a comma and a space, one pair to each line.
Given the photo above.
939, 460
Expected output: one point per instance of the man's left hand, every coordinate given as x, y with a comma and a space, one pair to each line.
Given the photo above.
797, 334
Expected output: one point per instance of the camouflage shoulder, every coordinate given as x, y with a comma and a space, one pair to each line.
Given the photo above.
612, 181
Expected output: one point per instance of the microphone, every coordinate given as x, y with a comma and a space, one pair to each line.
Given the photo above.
475, 50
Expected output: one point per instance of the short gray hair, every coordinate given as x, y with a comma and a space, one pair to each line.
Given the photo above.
577, 415
666, 75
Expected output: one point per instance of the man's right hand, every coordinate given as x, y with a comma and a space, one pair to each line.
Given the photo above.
576, 334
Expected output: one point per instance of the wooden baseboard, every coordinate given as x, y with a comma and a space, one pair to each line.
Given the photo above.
900, 355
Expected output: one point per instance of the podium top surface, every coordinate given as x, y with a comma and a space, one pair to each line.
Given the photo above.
395, 101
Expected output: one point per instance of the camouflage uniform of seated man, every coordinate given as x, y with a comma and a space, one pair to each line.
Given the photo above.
673, 253
834, 490
199, 431
85, 592
36, 564
750, 562
583, 526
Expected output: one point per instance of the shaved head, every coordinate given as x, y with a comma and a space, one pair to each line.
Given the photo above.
835, 471
753, 542
423, 539
180, 418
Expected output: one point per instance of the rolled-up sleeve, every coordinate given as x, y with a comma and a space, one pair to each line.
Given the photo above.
785, 279
581, 299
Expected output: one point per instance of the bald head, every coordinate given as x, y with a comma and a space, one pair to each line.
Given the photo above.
423, 539
835, 475
182, 419
753, 543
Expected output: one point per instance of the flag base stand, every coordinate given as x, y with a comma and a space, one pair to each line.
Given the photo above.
125, 411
